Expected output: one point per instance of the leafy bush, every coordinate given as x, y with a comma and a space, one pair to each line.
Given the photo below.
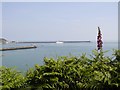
76, 73
10, 78
68, 73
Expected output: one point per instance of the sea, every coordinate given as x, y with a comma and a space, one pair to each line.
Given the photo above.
26, 58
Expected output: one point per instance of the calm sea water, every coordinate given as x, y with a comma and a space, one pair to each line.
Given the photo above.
26, 58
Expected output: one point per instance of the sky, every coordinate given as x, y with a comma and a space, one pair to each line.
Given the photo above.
53, 21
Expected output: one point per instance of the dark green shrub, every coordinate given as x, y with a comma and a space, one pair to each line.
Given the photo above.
76, 73
10, 78
68, 73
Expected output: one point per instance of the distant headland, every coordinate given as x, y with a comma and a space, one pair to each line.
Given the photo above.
3, 41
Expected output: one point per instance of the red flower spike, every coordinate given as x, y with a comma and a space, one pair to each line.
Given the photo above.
99, 39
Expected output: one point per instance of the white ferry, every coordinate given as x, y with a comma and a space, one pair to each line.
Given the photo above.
59, 42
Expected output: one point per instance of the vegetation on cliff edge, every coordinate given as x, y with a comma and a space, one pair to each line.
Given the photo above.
67, 73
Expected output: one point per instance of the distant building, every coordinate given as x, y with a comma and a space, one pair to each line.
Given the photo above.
3, 41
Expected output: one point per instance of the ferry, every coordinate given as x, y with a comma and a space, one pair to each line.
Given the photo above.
59, 42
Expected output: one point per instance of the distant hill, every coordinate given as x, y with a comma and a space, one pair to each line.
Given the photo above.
3, 41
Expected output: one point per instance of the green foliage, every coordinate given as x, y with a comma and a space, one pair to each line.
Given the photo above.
10, 78
68, 73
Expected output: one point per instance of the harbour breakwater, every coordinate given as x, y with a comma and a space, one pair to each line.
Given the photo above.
56, 41
17, 48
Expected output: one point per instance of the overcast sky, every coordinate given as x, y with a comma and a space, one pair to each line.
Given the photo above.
59, 21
